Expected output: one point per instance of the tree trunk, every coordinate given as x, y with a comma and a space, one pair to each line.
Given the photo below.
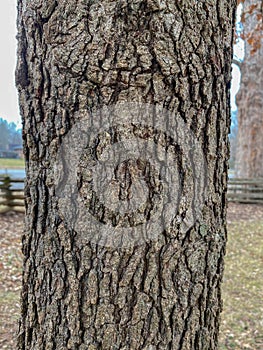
249, 162
131, 259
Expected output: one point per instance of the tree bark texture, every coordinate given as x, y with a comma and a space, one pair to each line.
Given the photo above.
75, 56
249, 162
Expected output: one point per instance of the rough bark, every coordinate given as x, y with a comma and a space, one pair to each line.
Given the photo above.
75, 56
249, 162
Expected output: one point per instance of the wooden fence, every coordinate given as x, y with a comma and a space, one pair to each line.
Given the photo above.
11, 194
245, 190
239, 190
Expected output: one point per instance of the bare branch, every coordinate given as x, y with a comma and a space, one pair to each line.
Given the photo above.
237, 62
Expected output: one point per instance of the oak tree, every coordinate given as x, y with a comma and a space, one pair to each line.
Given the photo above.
126, 253
249, 159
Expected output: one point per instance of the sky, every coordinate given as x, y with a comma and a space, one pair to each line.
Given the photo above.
9, 109
8, 95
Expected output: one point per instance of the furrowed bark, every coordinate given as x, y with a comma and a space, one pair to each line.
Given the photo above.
75, 56
249, 159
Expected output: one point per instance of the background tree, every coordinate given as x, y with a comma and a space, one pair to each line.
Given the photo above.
3, 134
249, 162
233, 139
14, 134
74, 58
9, 134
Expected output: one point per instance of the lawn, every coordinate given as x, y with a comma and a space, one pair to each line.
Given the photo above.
242, 318
12, 163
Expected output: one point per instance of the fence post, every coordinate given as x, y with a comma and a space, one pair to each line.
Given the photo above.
7, 193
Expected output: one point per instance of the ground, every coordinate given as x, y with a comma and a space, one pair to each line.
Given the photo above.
12, 163
11, 227
242, 322
242, 318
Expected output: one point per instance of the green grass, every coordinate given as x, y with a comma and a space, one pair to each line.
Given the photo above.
242, 317
12, 163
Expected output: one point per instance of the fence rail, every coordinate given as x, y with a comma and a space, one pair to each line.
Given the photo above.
245, 190
11, 194
239, 190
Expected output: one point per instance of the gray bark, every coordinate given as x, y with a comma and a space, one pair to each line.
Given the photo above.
74, 57
249, 162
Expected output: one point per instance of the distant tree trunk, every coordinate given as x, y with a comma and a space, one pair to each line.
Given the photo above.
83, 292
249, 161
